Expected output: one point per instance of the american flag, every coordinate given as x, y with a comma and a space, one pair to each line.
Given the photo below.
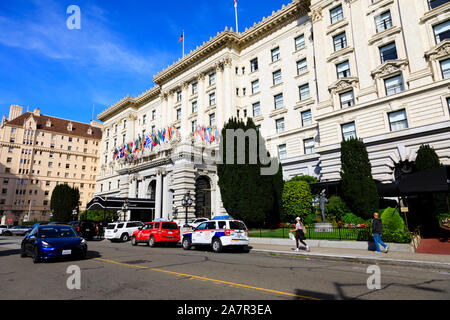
235, 3
181, 38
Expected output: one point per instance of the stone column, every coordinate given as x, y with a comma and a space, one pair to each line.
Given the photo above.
159, 196
133, 188
185, 128
220, 107
227, 107
201, 104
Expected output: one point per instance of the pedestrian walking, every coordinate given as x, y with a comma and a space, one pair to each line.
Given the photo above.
377, 229
300, 235
100, 230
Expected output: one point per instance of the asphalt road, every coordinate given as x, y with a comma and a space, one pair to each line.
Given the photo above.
120, 271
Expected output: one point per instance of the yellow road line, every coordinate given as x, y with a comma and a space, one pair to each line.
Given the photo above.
218, 282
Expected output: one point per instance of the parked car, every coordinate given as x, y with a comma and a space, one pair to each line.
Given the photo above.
157, 232
53, 241
122, 230
17, 231
196, 222
218, 235
2, 228
86, 229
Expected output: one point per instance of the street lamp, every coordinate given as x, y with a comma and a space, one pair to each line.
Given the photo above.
187, 202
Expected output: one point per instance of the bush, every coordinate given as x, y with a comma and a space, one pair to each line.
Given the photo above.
392, 221
336, 208
296, 200
310, 219
397, 237
305, 178
350, 218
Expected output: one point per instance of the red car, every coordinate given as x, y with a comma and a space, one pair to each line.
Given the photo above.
153, 233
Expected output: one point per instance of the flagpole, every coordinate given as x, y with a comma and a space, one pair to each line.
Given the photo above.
235, 11
183, 43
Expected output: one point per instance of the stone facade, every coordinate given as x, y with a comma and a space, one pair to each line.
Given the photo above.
310, 75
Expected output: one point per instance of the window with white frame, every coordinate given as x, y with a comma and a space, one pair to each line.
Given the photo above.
256, 109
304, 92
179, 96
347, 99
436, 3
306, 118
194, 107
212, 120
383, 21
179, 114
280, 125
212, 79
277, 79
154, 115
254, 65
302, 66
194, 126
398, 120
278, 101
448, 103
388, 52
282, 152
442, 31
445, 68
212, 99
340, 41
349, 131
343, 70
394, 85
309, 146
299, 42
275, 54
194, 88
255, 86
336, 14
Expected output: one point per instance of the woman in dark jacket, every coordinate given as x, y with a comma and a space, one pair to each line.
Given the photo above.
377, 233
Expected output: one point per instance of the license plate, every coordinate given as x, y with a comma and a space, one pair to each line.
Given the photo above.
66, 252
170, 232
88, 229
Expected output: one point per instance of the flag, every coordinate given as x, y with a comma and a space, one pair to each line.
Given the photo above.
181, 38
235, 3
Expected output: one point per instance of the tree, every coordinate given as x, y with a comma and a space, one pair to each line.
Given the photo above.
63, 201
246, 193
297, 200
427, 158
358, 187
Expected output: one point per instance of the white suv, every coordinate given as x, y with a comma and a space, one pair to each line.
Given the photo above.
218, 234
122, 230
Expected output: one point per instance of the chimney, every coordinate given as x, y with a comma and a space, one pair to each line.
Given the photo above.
37, 112
14, 112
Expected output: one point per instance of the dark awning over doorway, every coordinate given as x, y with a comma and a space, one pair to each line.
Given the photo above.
100, 203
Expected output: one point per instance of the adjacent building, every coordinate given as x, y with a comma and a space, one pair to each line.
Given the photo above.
310, 75
37, 152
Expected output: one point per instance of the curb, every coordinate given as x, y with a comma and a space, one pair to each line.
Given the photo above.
362, 259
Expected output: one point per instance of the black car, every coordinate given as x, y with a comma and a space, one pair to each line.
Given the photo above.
86, 229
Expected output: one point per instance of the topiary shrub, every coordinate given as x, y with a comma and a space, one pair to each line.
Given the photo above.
392, 221
350, 218
296, 200
336, 208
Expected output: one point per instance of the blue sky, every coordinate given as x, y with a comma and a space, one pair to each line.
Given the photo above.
122, 44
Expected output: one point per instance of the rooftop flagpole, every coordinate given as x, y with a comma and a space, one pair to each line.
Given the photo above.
235, 11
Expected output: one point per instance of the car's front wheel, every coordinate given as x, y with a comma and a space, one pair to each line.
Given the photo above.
134, 241
217, 245
186, 243
36, 258
23, 254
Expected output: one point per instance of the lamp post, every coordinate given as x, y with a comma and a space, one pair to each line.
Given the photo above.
125, 208
187, 203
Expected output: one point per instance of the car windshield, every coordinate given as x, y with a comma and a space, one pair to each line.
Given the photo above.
170, 226
111, 226
56, 232
237, 225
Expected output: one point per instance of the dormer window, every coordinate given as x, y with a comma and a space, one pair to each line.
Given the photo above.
70, 127
48, 124
89, 131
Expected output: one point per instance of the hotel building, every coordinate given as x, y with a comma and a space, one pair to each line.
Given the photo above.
310, 75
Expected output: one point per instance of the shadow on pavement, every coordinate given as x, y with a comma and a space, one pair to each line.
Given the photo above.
13, 252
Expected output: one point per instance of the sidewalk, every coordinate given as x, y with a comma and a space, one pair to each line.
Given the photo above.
354, 255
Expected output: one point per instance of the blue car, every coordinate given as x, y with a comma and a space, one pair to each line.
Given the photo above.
53, 241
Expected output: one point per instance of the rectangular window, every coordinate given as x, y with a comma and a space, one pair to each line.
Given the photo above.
388, 52
398, 120
212, 99
276, 77
179, 114
254, 65
436, 3
336, 14
309, 146
343, 70
275, 54
179, 96
282, 152
280, 125
302, 66
383, 21
256, 109
194, 107
144, 119
212, 79
154, 115
278, 101
347, 99
195, 88
306, 118
212, 120
194, 126
299, 42
255, 86
445, 68
304, 92
340, 41
349, 131
124, 124
442, 31
394, 85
